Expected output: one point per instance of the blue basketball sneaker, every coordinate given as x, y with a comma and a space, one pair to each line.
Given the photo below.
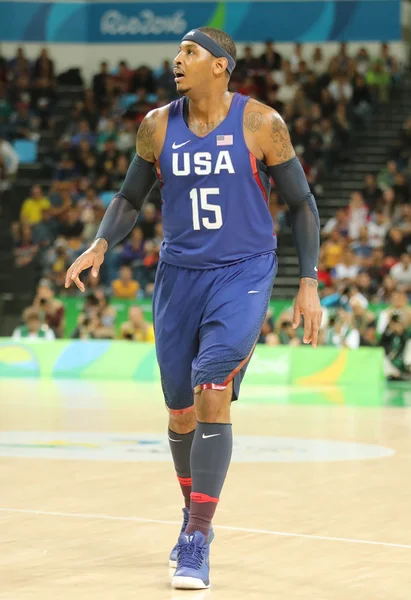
193, 562
173, 556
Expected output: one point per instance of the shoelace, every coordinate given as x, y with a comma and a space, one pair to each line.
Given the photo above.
190, 555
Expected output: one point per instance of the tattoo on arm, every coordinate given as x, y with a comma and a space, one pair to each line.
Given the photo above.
253, 121
309, 281
145, 138
281, 139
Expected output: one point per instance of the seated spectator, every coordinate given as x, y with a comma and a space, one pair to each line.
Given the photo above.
342, 60
58, 259
165, 78
296, 57
143, 79
357, 215
389, 62
318, 62
125, 286
388, 204
379, 81
368, 337
385, 291
123, 77
66, 169
341, 333
377, 229
133, 251
50, 309
361, 317
150, 262
324, 276
36, 208
43, 66
328, 104
43, 100
288, 335
401, 272
19, 65
394, 245
26, 250
361, 102
33, 328
338, 223
248, 62
126, 141
83, 134
398, 307
270, 59
386, 177
333, 250
362, 61
23, 124
361, 247
108, 157
394, 341
109, 133
348, 269
72, 229
147, 220
371, 192
91, 201
312, 90
101, 83
136, 328
340, 88
288, 90
403, 222
401, 189
330, 145
120, 171
366, 286
376, 270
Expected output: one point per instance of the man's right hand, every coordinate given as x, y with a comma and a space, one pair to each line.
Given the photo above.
93, 257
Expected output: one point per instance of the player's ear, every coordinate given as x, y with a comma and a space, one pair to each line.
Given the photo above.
220, 65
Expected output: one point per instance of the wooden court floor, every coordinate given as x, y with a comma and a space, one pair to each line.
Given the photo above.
317, 505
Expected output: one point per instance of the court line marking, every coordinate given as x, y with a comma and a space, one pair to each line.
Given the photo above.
224, 527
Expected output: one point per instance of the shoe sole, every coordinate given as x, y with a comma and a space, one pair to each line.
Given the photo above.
188, 583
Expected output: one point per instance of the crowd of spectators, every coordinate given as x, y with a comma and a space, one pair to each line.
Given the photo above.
365, 250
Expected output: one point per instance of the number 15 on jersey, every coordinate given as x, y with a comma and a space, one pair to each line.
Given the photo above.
202, 203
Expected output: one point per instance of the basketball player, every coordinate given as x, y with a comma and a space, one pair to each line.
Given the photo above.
214, 153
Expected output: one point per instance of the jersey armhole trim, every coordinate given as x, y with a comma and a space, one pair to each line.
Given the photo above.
256, 174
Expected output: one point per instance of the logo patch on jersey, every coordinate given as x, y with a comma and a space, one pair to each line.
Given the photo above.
225, 140
175, 146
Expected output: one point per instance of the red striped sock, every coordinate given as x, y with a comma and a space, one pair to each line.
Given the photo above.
185, 484
202, 510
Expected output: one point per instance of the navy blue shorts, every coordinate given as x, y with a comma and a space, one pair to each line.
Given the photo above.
207, 323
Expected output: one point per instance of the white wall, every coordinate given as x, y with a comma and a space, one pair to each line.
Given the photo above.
88, 56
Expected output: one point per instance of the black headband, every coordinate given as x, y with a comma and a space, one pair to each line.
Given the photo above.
213, 47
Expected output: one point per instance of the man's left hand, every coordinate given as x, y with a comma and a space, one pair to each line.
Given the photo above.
307, 303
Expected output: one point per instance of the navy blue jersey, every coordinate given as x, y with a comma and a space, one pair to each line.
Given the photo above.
215, 194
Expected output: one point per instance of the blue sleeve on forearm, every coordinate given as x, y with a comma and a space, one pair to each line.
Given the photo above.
292, 184
122, 212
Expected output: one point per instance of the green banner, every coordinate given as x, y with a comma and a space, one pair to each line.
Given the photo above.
126, 360
74, 306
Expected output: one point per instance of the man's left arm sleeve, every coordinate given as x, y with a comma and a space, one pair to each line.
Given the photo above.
292, 184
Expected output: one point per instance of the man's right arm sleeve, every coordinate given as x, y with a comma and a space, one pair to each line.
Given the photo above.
122, 212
